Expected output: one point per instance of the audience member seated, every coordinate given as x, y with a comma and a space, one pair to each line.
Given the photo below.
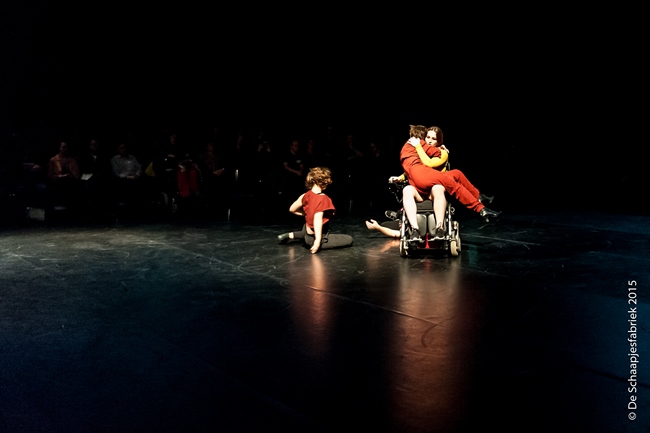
293, 174
9, 173
127, 186
95, 170
63, 174
213, 167
314, 156
353, 167
267, 175
179, 171
31, 187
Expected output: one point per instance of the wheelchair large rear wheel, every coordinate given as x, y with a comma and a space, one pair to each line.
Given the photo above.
403, 244
454, 244
403, 248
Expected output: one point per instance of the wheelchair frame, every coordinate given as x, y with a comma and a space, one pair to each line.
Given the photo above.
450, 243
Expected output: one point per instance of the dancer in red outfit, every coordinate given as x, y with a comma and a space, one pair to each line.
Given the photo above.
424, 162
318, 209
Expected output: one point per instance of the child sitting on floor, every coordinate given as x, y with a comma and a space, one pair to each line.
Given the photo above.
318, 209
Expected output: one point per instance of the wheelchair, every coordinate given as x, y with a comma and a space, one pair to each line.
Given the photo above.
448, 244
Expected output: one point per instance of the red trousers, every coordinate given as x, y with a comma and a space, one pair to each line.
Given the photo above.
423, 178
188, 182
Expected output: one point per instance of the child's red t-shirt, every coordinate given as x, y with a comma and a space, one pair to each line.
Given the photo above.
313, 203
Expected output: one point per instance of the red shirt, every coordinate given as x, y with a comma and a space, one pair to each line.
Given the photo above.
313, 203
409, 156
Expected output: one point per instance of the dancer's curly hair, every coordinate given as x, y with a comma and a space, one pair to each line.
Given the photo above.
321, 176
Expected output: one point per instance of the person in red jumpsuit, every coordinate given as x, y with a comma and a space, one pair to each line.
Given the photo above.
424, 165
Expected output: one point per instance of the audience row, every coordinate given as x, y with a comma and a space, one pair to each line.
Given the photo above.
199, 174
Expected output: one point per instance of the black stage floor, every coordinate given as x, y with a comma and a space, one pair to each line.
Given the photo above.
214, 327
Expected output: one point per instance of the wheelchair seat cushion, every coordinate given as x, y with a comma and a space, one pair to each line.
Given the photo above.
425, 206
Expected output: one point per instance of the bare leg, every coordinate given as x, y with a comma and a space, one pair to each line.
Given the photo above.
409, 198
439, 200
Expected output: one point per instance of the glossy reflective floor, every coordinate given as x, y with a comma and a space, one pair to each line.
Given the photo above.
213, 326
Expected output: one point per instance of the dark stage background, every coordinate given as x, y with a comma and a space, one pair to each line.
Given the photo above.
535, 111
204, 325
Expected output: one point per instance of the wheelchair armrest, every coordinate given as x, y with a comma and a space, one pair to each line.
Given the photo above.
397, 180
396, 185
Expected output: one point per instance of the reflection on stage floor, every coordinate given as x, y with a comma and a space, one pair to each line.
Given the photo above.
214, 326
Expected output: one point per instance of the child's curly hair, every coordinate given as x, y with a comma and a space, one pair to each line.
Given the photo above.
321, 176
418, 131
